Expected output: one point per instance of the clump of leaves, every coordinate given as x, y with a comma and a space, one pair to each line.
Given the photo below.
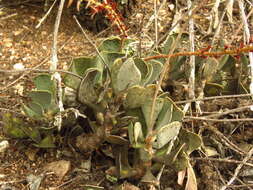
118, 87
115, 91
41, 109
43, 98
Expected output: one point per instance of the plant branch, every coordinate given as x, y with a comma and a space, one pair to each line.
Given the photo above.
40, 71
247, 41
214, 97
53, 66
190, 118
204, 53
237, 170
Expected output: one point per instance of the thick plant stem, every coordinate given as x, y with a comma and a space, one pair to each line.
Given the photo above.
247, 41
53, 66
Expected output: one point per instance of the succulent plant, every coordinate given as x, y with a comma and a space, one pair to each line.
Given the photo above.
126, 84
115, 90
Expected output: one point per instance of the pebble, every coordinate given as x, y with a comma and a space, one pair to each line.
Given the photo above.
4, 145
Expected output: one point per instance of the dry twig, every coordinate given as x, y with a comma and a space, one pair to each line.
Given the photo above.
237, 170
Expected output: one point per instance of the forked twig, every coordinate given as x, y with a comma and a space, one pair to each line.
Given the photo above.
46, 15
237, 170
89, 40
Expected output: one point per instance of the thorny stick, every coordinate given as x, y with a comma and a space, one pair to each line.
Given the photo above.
245, 49
229, 112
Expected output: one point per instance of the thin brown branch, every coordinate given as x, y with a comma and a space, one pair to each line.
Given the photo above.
214, 97
188, 118
40, 71
238, 169
229, 112
202, 53
223, 160
225, 140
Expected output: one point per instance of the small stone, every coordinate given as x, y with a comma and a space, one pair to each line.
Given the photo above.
2, 176
18, 66
3, 146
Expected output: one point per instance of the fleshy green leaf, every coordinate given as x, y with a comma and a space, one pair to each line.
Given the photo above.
47, 142
137, 96
166, 45
222, 61
41, 97
112, 44
191, 140
166, 133
165, 116
110, 57
43, 82
13, 127
34, 110
139, 115
210, 68
33, 133
143, 68
157, 69
87, 93
125, 74
79, 66
147, 107
135, 135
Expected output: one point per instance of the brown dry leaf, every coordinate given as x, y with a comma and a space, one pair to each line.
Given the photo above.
128, 186
78, 5
191, 183
180, 177
69, 3
31, 153
18, 32
60, 168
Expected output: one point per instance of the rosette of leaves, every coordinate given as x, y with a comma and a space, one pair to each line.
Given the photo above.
172, 145
118, 87
41, 109
20, 129
226, 74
